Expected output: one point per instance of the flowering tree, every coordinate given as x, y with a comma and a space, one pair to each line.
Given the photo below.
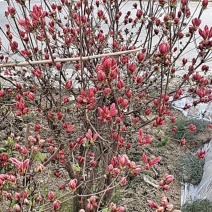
82, 82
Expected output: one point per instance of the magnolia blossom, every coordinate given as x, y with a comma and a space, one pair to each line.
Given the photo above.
21, 166
164, 48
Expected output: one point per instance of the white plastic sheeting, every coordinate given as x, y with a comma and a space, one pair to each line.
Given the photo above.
204, 189
201, 111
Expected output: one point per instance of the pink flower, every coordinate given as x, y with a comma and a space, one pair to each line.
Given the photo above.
51, 196
17, 208
164, 48
132, 67
26, 24
36, 73
11, 10
164, 201
37, 13
154, 161
107, 114
90, 136
149, 164
123, 181
56, 205
21, 166
40, 167
108, 63
168, 178
73, 184
152, 204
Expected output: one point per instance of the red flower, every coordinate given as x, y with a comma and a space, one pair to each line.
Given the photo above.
107, 114
36, 73
204, 3
140, 57
37, 127
87, 97
139, 13
2, 93
59, 115
184, 2
14, 46
37, 13
159, 121
100, 14
192, 128
196, 22
201, 154
68, 84
182, 142
26, 24
149, 164
206, 33
144, 140
69, 128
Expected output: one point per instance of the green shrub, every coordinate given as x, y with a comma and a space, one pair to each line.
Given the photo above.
198, 206
189, 169
182, 124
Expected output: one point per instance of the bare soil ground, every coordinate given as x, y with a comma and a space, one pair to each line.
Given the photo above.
134, 197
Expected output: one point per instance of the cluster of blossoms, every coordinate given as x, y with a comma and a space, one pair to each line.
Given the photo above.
77, 112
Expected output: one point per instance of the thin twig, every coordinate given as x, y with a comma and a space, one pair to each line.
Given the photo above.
25, 63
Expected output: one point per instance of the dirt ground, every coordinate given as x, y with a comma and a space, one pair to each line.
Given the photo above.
134, 197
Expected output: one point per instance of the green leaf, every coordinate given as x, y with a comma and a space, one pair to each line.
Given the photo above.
44, 190
39, 157
105, 210
77, 168
2, 171
41, 208
3, 150
10, 141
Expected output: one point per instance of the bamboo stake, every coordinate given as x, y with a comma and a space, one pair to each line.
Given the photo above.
25, 63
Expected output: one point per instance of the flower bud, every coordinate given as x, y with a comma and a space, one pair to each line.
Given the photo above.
51, 196
73, 184
56, 205
164, 48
